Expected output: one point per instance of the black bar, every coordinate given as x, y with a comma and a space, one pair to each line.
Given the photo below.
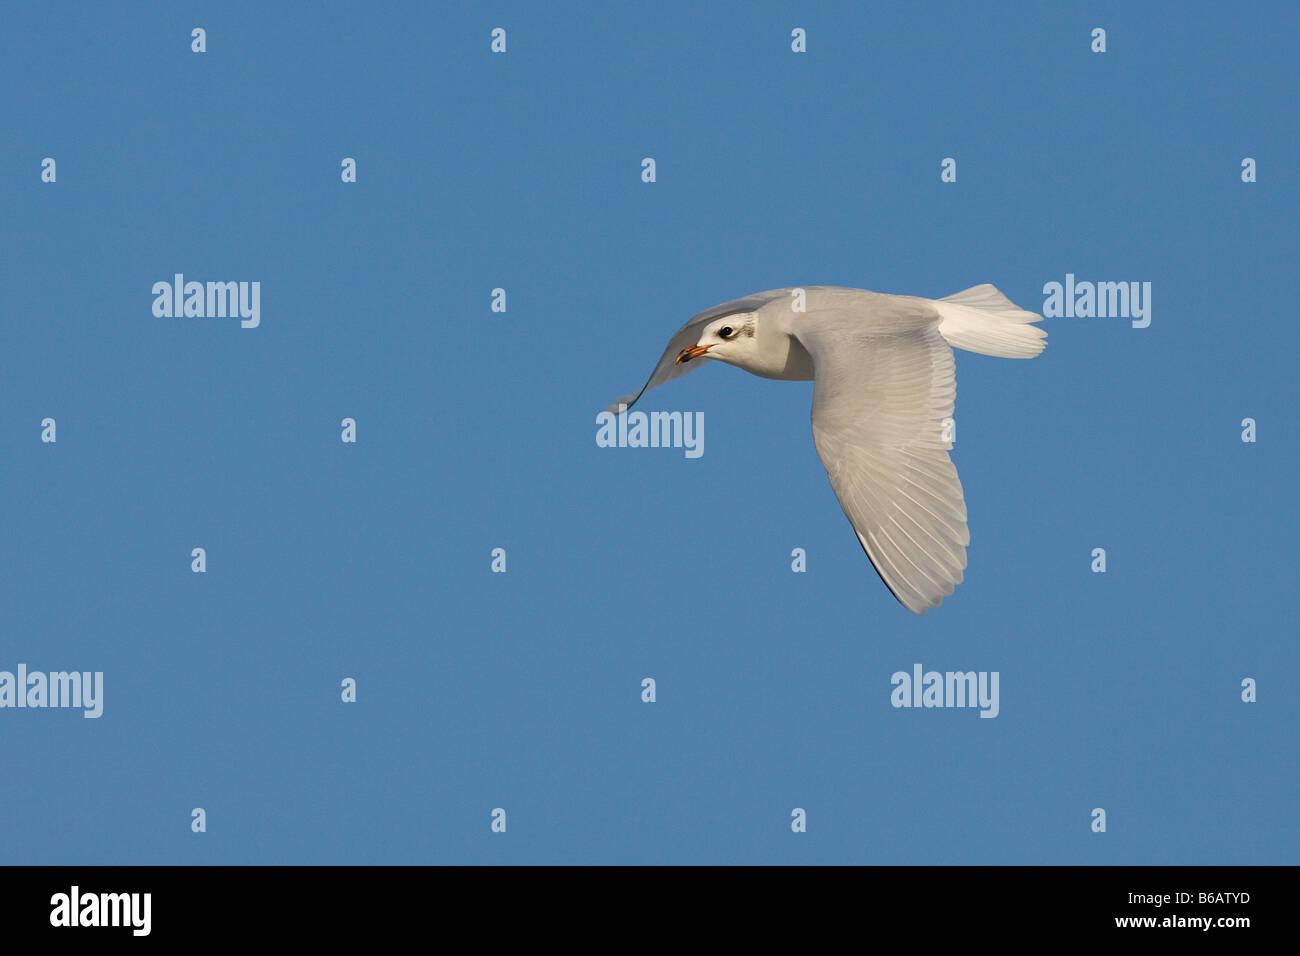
924, 905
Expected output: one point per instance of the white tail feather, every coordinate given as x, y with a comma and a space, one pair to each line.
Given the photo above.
982, 319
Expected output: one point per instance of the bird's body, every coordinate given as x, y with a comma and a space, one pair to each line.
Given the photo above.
882, 405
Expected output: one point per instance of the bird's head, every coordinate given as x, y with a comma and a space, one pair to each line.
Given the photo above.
729, 339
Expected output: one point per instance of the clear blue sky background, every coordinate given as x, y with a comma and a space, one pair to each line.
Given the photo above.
477, 430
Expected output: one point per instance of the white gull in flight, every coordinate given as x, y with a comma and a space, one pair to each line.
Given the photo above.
882, 368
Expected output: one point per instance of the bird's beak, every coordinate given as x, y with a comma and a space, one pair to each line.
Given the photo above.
691, 351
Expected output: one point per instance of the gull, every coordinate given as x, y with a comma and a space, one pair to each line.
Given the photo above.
883, 389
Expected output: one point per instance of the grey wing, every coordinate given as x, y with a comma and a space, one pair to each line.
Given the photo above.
880, 401
668, 367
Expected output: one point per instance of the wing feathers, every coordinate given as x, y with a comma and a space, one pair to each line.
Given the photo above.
879, 405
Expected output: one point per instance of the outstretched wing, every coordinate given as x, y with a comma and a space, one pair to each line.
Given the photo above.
668, 367
880, 401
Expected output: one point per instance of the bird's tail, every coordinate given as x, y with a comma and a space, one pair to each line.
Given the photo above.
982, 319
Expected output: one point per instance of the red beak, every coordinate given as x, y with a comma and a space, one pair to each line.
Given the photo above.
691, 351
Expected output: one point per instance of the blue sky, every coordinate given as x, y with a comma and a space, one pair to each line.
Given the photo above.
476, 430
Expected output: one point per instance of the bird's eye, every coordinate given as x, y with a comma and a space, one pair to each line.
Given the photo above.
725, 331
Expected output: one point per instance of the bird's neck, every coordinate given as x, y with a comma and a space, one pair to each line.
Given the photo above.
778, 355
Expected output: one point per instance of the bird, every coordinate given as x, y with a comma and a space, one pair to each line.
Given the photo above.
884, 384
